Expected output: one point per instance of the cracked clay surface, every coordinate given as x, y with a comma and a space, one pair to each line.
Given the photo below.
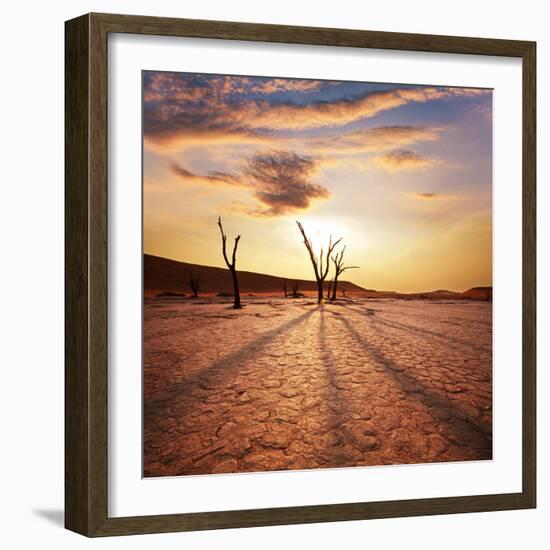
289, 384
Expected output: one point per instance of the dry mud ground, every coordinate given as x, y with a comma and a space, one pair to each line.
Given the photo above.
288, 384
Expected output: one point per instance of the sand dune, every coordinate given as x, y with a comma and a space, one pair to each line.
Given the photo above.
479, 293
162, 275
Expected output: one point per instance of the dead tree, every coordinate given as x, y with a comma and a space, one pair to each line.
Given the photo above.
231, 264
295, 286
339, 268
285, 288
329, 289
195, 283
320, 264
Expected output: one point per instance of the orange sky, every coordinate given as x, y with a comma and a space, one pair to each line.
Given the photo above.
401, 173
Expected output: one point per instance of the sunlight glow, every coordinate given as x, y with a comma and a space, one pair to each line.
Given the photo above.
402, 174
320, 230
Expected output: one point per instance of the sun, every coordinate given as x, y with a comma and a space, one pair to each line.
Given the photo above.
320, 230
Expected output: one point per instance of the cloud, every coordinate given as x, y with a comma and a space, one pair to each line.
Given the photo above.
161, 86
214, 177
341, 112
434, 207
272, 85
279, 181
375, 139
171, 139
194, 86
182, 105
401, 159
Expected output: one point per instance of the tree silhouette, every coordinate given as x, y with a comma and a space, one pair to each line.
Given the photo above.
285, 289
339, 268
195, 283
231, 264
295, 286
329, 290
320, 264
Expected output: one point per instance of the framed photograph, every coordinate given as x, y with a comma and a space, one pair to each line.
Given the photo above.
300, 275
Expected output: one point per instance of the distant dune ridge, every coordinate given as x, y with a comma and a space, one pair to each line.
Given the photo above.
161, 275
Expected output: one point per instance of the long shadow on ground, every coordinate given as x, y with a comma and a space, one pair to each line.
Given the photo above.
218, 374
426, 395
423, 332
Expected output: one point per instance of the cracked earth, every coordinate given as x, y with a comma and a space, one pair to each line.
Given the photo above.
288, 384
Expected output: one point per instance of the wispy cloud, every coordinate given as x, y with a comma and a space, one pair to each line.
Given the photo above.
380, 138
170, 140
402, 159
210, 178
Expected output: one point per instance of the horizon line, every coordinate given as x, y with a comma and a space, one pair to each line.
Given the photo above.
313, 280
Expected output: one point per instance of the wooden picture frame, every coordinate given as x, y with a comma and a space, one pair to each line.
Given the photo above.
86, 283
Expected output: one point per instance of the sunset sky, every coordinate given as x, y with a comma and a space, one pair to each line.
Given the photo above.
402, 173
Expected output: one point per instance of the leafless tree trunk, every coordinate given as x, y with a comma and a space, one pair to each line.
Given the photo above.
329, 288
285, 288
195, 283
295, 289
231, 264
321, 264
339, 268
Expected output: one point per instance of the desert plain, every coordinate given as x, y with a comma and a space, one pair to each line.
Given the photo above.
317, 271
290, 384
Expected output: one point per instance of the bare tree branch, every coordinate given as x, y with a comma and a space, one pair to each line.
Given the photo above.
231, 265
331, 247
339, 268
224, 242
309, 248
233, 259
321, 264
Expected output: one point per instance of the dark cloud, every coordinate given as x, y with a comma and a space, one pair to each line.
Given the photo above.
280, 181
